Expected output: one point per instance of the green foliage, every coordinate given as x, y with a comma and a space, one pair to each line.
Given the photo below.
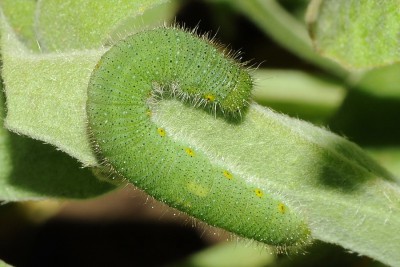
32, 170
289, 91
52, 108
49, 49
3, 264
229, 254
357, 33
77, 24
320, 175
21, 16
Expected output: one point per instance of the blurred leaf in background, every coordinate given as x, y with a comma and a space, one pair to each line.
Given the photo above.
359, 34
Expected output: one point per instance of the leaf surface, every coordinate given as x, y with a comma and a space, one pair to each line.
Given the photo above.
359, 34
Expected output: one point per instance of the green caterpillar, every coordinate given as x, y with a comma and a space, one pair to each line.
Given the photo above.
124, 91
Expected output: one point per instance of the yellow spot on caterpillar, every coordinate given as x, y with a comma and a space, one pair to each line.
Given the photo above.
228, 175
161, 132
259, 193
190, 152
209, 97
148, 113
98, 64
281, 208
197, 189
184, 202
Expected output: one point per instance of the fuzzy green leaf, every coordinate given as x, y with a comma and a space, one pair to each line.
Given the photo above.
32, 170
357, 34
28, 168
46, 95
3, 264
21, 15
48, 103
343, 194
79, 24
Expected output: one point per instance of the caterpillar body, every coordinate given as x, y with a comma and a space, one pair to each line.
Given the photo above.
124, 89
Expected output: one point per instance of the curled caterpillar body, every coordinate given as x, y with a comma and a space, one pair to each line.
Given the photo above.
125, 88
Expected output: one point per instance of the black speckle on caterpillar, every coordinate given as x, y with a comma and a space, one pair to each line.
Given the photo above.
124, 89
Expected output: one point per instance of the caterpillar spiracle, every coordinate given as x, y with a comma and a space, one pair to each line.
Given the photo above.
126, 86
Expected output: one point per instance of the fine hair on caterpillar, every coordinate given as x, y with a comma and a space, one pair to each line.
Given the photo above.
206, 103
143, 71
